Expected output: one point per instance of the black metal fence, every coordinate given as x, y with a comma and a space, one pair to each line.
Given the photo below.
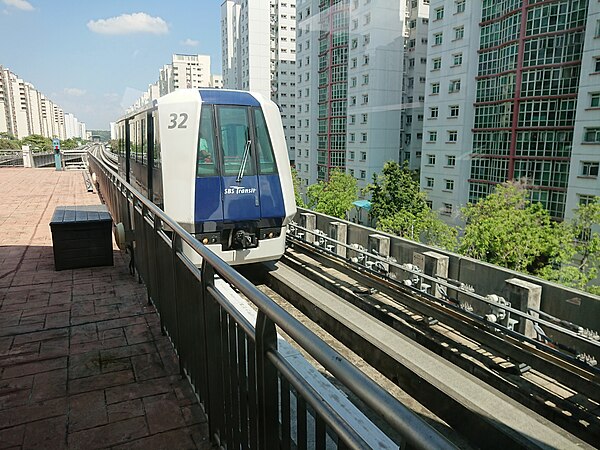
253, 397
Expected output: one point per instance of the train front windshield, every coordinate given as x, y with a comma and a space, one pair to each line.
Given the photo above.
233, 141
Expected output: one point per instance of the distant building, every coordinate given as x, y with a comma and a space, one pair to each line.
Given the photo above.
513, 92
25, 111
259, 54
184, 72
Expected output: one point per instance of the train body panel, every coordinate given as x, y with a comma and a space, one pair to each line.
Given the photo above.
224, 167
178, 117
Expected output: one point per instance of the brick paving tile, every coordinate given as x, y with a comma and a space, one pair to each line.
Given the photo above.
83, 362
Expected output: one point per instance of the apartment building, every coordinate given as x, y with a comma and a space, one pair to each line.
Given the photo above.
349, 69
259, 53
414, 82
512, 94
25, 111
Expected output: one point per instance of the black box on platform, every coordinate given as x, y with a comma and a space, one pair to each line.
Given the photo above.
81, 237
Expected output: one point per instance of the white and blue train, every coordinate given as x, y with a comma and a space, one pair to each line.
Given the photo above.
216, 162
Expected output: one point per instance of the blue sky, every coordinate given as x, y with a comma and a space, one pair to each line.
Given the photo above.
95, 57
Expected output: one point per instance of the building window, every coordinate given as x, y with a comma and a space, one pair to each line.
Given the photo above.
432, 136
452, 136
409, 119
351, 156
367, 19
365, 60
365, 99
354, 43
353, 82
363, 137
459, 33
429, 182
439, 13
353, 100
454, 86
352, 119
454, 110
597, 64
430, 160
434, 112
586, 199
450, 160
447, 209
437, 39
589, 169
437, 63
457, 59
595, 100
449, 185
365, 79
435, 88
365, 117
363, 174
366, 39
363, 156
592, 135
460, 6
353, 63
351, 137
351, 172
597, 28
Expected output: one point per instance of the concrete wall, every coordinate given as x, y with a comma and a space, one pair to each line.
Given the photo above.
567, 304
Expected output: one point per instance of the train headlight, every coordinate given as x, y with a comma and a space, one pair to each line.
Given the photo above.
271, 235
205, 241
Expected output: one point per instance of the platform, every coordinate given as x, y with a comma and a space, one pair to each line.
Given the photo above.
83, 363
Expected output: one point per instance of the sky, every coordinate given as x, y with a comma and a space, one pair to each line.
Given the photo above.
94, 58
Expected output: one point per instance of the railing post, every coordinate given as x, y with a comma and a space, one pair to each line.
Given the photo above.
267, 389
213, 365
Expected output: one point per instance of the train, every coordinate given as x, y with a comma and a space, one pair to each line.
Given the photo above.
216, 161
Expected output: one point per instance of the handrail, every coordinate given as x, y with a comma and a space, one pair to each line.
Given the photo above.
416, 432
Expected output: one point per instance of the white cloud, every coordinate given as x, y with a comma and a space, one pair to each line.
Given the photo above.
190, 42
23, 5
74, 92
129, 24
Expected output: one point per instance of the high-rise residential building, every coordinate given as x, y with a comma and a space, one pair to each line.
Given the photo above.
414, 82
349, 68
511, 94
259, 53
25, 111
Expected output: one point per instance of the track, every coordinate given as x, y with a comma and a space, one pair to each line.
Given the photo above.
512, 368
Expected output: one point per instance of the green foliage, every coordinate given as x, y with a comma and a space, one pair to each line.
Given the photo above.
394, 191
9, 144
296, 181
401, 208
506, 229
334, 197
580, 257
70, 144
37, 143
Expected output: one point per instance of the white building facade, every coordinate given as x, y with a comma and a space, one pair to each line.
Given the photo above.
25, 111
258, 41
349, 90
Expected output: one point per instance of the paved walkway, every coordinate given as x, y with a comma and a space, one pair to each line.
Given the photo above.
82, 361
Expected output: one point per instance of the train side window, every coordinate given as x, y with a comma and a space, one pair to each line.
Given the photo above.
266, 158
235, 136
206, 144
144, 143
156, 139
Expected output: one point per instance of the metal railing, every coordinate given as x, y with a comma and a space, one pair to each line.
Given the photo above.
254, 398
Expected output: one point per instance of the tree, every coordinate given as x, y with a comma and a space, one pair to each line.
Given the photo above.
401, 208
396, 190
506, 229
38, 143
334, 197
296, 182
580, 259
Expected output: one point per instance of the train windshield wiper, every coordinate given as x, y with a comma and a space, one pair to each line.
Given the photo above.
244, 161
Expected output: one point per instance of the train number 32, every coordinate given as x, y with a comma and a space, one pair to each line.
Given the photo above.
178, 120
